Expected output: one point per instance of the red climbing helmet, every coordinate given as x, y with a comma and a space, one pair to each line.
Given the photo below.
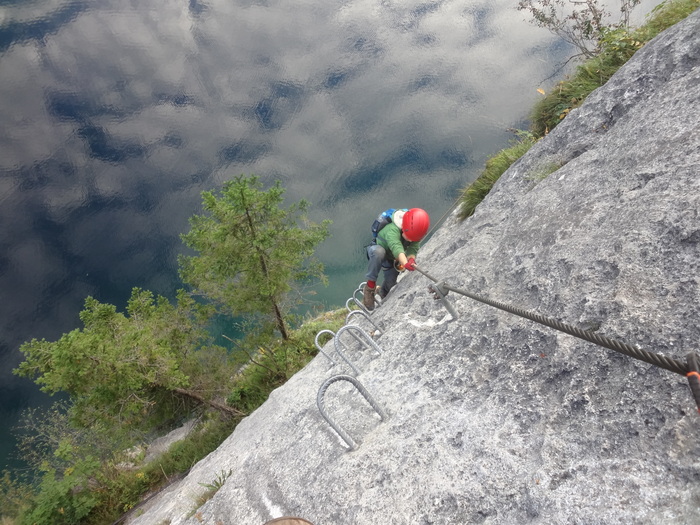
416, 223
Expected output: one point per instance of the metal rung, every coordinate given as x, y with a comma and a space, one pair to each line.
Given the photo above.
361, 313
358, 302
353, 328
319, 346
321, 406
353, 299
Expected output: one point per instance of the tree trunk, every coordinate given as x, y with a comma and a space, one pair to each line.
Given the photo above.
281, 325
229, 411
279, 318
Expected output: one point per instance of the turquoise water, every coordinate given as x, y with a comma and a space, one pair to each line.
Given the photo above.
117, 115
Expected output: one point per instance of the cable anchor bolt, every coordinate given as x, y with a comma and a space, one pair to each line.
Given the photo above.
439, 292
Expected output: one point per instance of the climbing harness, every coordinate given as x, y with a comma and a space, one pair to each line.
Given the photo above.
689, 368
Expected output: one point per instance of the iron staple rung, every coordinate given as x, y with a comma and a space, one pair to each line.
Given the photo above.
322, 407
363, 314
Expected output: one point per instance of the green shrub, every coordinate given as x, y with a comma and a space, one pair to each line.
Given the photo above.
664, 16
98, 490
183, 454
271, 365
617, 47
495, 167
15, 495
64, 498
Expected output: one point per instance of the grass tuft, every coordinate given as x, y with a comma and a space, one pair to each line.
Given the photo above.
495, 167
618, 45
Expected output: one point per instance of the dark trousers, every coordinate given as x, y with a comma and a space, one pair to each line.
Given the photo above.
378, 261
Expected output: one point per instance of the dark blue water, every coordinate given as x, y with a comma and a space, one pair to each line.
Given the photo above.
116, 115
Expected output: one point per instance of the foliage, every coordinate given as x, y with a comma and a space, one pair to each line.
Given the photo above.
218, 481
68, 464
124, 488
134, 372
42, 433
64, 497
617, 46
87, 491
183, 454
127, 370
213, 487
107, 489
664, 16
271, 366
251, 250
582, 23
495, 167
15, 495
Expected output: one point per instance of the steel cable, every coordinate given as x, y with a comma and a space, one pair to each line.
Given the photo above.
673, 365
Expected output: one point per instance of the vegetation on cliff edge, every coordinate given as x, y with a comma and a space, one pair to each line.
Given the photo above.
615, 46
135, 375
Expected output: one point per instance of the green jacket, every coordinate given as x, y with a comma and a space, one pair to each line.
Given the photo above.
392, 241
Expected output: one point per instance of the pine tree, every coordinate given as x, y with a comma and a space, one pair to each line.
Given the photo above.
252, 252
125, 369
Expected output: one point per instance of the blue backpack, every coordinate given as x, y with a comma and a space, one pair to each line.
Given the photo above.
381, 221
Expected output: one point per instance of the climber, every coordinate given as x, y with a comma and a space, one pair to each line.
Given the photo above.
394, 249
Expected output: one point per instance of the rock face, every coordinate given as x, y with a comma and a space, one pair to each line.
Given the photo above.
492, 418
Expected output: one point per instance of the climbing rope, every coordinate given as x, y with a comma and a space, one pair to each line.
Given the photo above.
690, 368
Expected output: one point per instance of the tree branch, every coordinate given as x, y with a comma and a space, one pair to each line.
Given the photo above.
234, 412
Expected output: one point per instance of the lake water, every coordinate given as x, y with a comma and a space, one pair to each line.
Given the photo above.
116, 115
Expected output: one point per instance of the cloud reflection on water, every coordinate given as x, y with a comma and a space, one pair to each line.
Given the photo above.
116, 116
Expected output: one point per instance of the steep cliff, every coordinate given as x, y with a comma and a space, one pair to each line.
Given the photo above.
492, 418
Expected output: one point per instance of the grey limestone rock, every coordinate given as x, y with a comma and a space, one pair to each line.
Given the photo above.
492, 418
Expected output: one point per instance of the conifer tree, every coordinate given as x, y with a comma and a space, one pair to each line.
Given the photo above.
252, 252
122, 369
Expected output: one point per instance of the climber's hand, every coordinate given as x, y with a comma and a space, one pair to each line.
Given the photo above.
411, 264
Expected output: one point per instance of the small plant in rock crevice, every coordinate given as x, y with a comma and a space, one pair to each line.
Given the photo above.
219, 481
212, 489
